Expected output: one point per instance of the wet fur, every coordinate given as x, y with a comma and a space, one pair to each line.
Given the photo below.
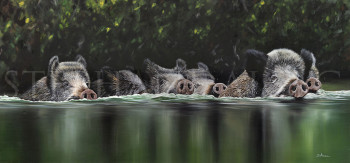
118, 83
202, 79
39, 92
243, 86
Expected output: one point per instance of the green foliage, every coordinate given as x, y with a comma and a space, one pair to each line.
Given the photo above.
119, 33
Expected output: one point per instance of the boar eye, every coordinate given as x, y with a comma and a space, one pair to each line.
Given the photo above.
65, 83
273, 78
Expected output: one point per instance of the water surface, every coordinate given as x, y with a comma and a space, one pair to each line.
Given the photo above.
177, 128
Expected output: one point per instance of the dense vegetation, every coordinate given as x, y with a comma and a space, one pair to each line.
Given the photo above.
122, 33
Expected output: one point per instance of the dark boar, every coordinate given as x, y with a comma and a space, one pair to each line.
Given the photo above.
118, 83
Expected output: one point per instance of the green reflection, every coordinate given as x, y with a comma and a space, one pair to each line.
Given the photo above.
228, 130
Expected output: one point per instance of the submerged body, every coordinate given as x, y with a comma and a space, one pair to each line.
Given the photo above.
39, 91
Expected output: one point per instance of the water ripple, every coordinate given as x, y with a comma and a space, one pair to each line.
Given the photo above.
173, 98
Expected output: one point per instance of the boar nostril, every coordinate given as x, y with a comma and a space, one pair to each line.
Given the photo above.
304, 87
92, 96
181, 86
309, 83
189, 86
317, 84
294, 88
85, 95
217, 89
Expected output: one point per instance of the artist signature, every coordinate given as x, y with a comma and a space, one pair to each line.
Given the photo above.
322, 155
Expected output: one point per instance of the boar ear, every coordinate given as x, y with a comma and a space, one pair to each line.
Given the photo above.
53, 64
307, 56
108, 75
147, 62
202, 66
309, 60
181, 64
151, 68
81, 60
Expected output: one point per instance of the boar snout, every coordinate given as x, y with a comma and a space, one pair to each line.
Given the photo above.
298, 89
88, 94
185, 86
313, 84
218, 88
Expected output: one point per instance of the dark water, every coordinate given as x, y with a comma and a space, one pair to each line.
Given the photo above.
169, 128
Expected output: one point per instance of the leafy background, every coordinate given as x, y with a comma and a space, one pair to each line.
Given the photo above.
122, 33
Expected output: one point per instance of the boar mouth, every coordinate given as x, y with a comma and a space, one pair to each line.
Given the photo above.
73, 98
141, 92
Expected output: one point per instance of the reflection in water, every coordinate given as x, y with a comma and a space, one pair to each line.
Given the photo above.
231, 130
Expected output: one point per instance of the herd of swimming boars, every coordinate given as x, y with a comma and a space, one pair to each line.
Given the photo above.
281, 72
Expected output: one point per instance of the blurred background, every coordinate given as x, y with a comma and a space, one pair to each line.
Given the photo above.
122, 33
